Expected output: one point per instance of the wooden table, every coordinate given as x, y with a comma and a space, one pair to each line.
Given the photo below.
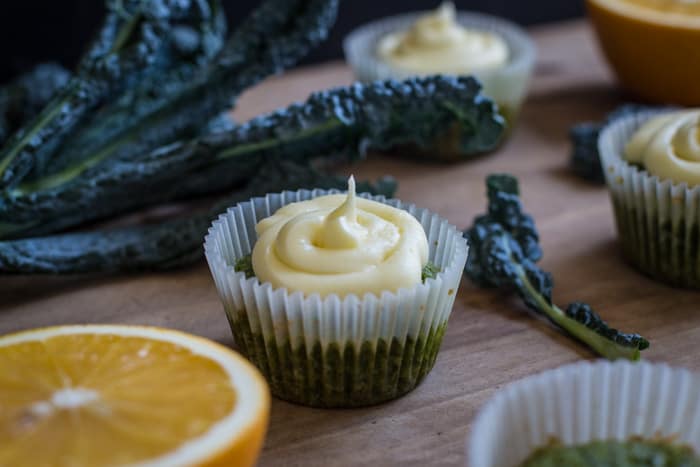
490, 340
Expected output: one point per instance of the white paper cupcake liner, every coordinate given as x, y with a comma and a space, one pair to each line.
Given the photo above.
585, 402
658, 221
333, 352
507, 85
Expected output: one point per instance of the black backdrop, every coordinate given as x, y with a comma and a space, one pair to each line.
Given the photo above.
32, 31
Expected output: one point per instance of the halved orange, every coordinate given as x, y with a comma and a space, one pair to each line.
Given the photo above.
108, 395
652, 45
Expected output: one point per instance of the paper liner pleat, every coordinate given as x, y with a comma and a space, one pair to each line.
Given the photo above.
328, 351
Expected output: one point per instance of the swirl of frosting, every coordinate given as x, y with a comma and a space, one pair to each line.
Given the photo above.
340, 244
668, 146
436, 43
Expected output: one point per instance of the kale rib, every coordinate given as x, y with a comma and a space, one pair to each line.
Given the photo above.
344, 121
27, 94
504, 249
154, 247
126, 44
275, 36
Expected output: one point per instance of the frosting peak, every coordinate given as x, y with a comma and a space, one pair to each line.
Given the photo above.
340, 244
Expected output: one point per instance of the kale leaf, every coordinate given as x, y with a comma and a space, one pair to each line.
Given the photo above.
345, 121
504, 250
167, 245
274, 36
585, 159
122, 52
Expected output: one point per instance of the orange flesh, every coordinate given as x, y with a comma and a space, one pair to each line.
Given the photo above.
99, 399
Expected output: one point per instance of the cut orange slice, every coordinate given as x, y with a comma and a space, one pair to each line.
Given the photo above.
91, 396
652, 46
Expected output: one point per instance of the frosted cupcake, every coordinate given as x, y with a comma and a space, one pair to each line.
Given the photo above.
344, 300
499, 53
652, 167
592, 414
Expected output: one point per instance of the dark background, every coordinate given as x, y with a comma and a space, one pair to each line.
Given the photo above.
33, 31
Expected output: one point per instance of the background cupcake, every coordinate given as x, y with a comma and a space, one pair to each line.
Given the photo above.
584, 402
651, 161
499, 53
339, 349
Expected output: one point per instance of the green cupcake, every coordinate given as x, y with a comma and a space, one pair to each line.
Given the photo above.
651, 162
345, 349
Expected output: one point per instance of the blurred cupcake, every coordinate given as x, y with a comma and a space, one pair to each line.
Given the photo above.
615, 413
345, 299
651, 162
499, 53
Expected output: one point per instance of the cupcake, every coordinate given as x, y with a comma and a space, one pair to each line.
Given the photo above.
341, 300
610, 412
651, 162
499, 53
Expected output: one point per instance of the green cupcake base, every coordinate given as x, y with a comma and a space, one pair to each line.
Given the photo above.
666, 250
338, 375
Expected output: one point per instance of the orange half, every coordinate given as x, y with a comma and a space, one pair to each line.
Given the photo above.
652, 45
92, 396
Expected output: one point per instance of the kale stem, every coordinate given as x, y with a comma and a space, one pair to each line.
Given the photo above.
603, 347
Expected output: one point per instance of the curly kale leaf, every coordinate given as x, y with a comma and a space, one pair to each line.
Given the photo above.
273, 37
344, 121
504, 250
585, 159
191, 44
122, 52
167, 245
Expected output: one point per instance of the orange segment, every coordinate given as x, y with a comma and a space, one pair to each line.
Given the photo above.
121, 395
652, 46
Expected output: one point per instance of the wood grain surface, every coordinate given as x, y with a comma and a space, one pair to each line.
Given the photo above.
490, 340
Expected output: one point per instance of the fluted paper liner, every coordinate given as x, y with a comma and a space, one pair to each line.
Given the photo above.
585, 402
333, 352
507, 84
657, 220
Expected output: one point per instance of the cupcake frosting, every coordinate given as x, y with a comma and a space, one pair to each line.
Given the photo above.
436, 43
340, 244
668, 146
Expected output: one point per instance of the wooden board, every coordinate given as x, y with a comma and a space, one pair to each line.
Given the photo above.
490, 340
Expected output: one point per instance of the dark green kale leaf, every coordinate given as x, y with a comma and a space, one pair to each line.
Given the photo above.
160, 246
585, 159
344, 121
24, 97
124, 49
504, 249
275, 36
191, 44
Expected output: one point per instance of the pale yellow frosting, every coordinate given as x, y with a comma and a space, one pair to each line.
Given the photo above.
436, 43
340, 244
668, 146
